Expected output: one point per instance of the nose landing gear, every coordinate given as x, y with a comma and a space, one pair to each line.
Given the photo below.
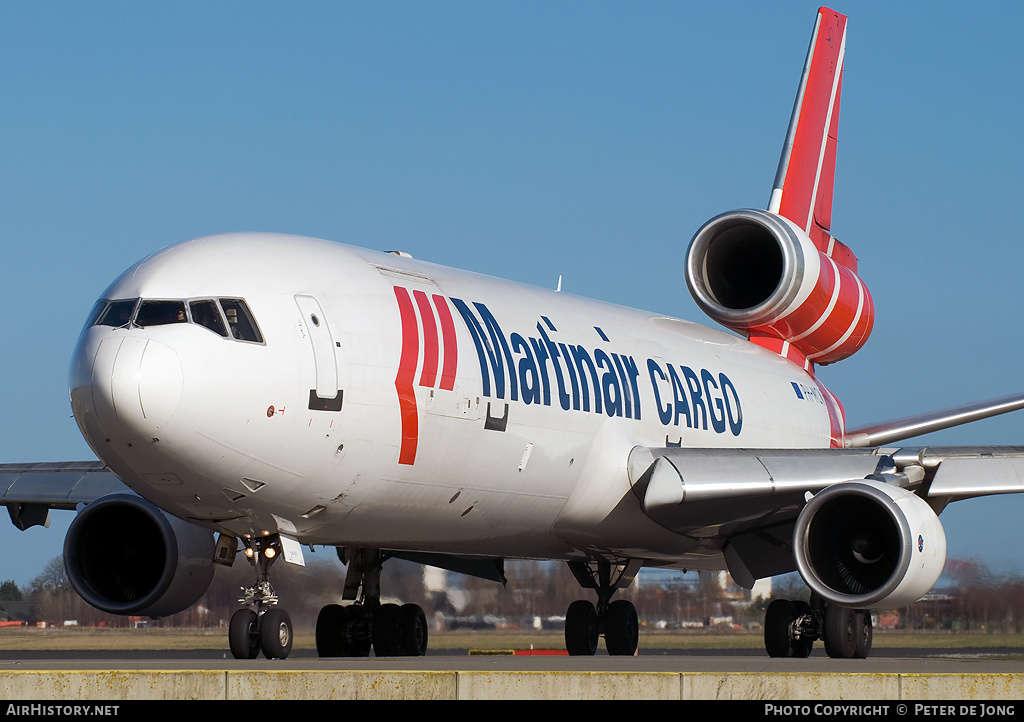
263, 626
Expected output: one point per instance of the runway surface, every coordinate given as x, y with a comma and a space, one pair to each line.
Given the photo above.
1000, 660
898, 675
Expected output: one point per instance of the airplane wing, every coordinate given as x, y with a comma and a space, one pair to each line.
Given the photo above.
749, 500
29, 491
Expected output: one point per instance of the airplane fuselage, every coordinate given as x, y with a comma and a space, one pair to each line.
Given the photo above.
270, 383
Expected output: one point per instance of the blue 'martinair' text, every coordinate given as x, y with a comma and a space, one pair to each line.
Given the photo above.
534, 369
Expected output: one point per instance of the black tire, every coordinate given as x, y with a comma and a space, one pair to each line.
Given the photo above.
385, 631
581, 628
243, 635
865, 634
276, 634
412, 624
778, 619
358, 635
840, 632
332, 628
621, 628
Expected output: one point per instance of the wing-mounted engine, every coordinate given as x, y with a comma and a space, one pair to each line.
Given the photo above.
864, 540
867, 544
759, 274
124, 555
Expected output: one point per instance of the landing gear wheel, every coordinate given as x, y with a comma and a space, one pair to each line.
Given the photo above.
778, 622
332, 631
385, 631
276, 634
621, 628
359, 636
243, 635
413, 625
581, 628
840, 631
864, 632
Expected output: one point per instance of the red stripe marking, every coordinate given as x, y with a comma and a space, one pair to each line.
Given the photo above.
539, 652
778, 346
826, 181
406, 375
867, 322
451, 344
802, 318
799, 185
429, 373
840, 319
836, 417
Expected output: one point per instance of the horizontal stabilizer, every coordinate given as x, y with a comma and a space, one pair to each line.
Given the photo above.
898, 429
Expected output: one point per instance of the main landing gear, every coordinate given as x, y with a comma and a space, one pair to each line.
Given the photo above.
791, 628
617, 620
264, 626
392, 630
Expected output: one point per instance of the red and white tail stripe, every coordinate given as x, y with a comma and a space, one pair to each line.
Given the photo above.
836, 319
425, 348
802, 191
833, 322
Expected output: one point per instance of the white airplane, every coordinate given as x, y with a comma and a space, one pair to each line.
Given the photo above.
283, 392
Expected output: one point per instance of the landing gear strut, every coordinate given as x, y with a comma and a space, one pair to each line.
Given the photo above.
350, 631
791, 628
617, 620
263, 626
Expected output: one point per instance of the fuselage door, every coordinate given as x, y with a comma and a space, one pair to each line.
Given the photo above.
326, 396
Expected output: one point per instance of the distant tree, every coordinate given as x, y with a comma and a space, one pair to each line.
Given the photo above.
9, 591
53, 577
789, 586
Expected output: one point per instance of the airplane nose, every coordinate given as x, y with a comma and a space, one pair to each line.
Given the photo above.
125, 387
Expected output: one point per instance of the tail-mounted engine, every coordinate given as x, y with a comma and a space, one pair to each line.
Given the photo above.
758, 273
867, 544
124, 555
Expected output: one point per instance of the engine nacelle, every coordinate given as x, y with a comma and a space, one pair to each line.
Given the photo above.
867, 544
758, 273
124, 555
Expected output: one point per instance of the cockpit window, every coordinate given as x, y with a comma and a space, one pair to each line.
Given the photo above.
94, 314
117, 313
205, 313
159, 313
240, 321
226, 317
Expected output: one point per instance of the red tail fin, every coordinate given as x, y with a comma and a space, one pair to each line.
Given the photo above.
802, 191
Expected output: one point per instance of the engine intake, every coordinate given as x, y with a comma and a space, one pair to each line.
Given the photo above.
124, 555
758, 273
867, 544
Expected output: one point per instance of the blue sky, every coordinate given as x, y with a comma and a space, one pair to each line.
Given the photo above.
522, 139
